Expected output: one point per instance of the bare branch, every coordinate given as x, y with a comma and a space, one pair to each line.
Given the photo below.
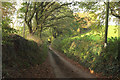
114, 14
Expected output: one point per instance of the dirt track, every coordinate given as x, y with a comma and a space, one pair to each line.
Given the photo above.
64, 69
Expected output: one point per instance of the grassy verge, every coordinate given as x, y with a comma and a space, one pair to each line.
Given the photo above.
89, 52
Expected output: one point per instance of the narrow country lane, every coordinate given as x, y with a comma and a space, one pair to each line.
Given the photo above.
64, 69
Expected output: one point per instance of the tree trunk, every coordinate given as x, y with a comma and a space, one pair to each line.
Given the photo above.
30, 28
24, 30
106, 23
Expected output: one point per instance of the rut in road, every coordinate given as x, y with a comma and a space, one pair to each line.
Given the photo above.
64, 69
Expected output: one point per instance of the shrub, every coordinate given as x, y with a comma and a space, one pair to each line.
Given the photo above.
89, 52
21, 53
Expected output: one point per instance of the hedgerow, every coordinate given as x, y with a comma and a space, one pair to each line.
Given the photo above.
90, 53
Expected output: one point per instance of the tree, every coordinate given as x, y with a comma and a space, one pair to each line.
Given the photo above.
97, 12
43, 13
115, 9
98, 9
7, 10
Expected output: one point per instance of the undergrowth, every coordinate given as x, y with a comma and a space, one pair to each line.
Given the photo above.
89, 52
19, 53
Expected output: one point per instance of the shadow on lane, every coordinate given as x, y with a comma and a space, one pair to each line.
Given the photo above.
64, 69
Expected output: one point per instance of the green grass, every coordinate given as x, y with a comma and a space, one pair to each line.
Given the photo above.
112, 31
89, 52
87, 49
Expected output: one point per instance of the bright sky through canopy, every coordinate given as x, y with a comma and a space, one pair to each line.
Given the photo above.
16, 21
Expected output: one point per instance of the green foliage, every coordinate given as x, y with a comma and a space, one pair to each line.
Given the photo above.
52, 19
40, 16
8, 10
89, 52
21, 54
6, 30
109, 59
